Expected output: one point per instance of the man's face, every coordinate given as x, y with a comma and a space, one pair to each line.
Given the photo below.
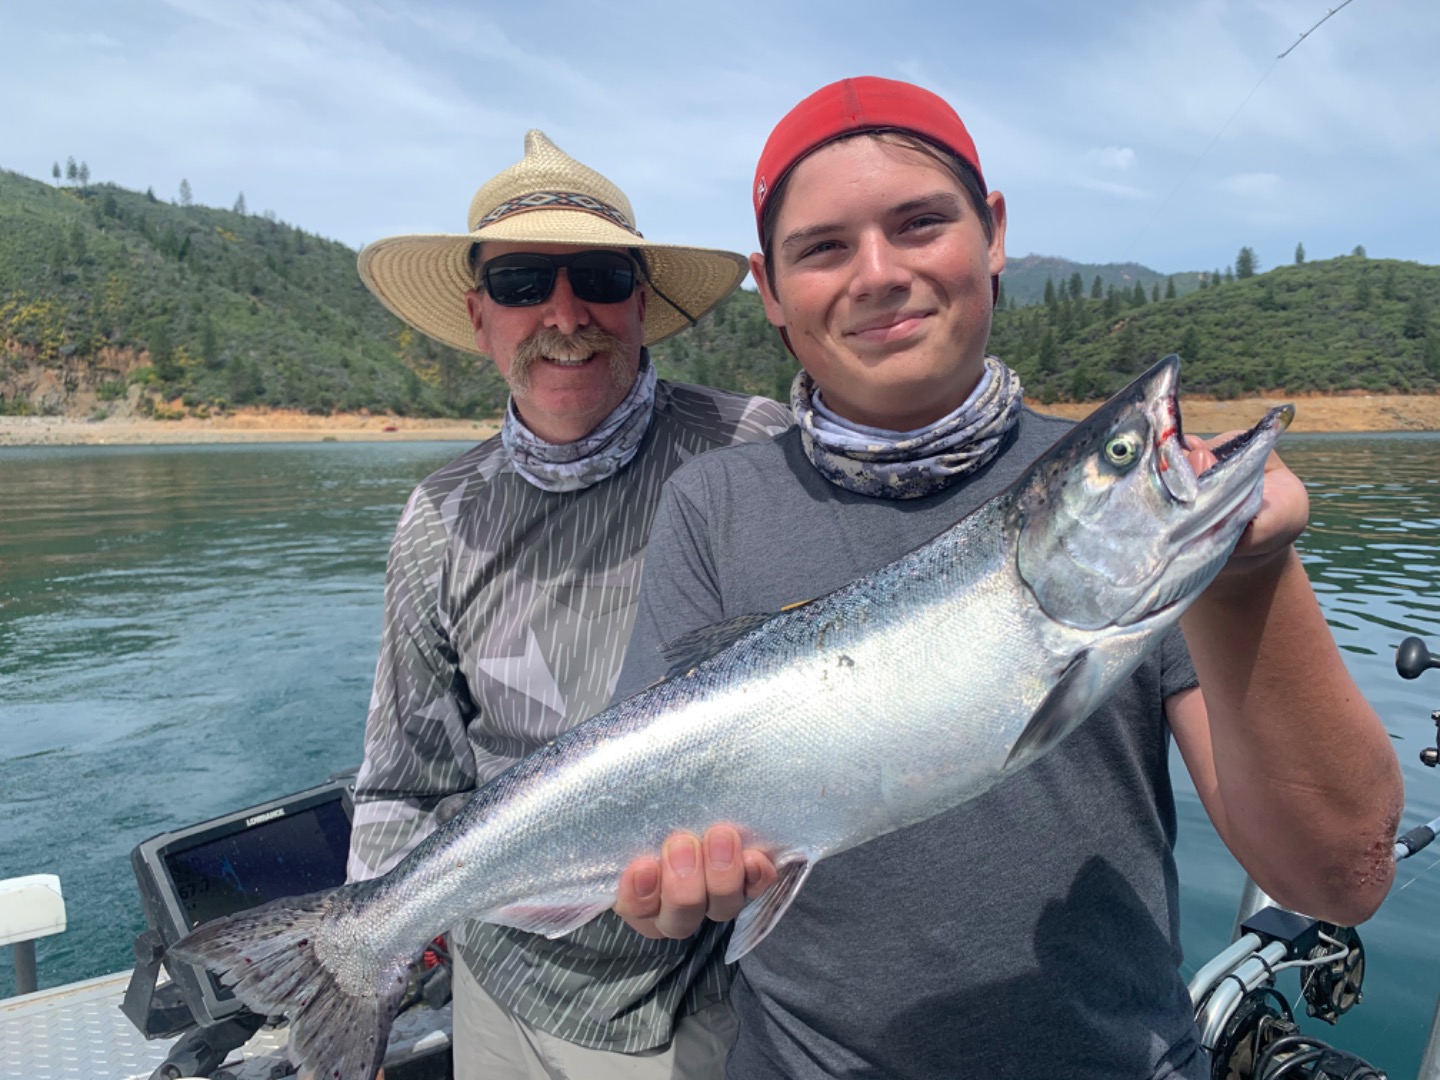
568, 362
882, 281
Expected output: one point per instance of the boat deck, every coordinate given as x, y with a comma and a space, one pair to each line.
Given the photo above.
77, 1032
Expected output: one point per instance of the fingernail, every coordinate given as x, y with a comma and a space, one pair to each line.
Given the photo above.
752, 876
647, 880
683, 856
721, 850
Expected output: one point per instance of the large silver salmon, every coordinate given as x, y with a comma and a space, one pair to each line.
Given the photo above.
814, 729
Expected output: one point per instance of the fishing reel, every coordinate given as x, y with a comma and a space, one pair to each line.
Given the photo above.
1331, 990
1413, 659
1261, 1018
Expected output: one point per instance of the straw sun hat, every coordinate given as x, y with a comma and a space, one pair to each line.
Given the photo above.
546, 198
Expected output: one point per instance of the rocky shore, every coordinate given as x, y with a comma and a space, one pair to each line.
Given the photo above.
1315, 413
237, 427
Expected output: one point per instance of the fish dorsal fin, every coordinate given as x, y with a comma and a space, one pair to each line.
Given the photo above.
760, 915
550, 918
693, 649
1070, 700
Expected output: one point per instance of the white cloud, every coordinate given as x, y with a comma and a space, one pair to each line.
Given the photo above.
1255, 185
1116, 158
1109, 187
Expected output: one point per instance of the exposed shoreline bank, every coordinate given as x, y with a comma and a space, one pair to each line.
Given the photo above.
246, 426
1313, 413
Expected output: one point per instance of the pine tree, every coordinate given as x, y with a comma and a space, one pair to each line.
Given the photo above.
1190, 344
1170, 288
1215, 277
1299, 254
1417, 319
1097, 288
55, 171
1112, 302
1245, 263
185, 195
162, 352
1139, 294
72, 171
1048, 353
1359, 251
1155, 293
1077, 285
1050, 292
78, 249
84, 175
240, 203
209, 343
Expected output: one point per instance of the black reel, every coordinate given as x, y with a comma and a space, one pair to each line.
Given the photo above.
1261, 1018
1413, 659
1333, 989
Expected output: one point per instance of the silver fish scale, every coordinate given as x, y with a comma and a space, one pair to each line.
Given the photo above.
870, 709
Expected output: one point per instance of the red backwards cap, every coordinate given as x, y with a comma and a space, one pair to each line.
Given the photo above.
853, 105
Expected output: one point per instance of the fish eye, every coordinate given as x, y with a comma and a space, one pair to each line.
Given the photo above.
1122, 451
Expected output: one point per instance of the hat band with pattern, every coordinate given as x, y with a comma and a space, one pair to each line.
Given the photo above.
557, 200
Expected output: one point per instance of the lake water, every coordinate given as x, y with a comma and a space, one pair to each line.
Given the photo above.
186, 631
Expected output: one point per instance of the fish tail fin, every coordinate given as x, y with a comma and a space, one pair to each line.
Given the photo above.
339, 1019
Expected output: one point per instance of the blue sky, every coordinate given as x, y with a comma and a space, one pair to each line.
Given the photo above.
1145, 130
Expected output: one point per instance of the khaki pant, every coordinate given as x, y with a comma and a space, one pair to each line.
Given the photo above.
492, 1043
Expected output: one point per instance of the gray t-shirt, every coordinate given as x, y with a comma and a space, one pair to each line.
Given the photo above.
1030, 932
507, 612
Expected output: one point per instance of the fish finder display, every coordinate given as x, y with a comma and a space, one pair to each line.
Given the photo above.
291, 854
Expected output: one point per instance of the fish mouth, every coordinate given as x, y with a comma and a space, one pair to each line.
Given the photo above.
1172, 456
1279, 418
1223, 501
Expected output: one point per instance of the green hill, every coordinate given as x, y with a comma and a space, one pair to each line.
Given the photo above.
112, 300
103, 290
1025, 278
1349, 323
1344, 324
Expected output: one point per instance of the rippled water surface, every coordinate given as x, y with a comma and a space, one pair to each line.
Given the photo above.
186, 631
1373, 557
183, 632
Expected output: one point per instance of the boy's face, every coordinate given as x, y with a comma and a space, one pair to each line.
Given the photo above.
883, 281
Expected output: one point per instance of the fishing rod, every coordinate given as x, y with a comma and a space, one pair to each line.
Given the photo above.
1226, 126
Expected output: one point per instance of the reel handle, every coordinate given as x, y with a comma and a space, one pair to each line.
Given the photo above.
1413, 659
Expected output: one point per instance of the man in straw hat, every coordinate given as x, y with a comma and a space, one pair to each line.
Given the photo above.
511, 590
1033, 931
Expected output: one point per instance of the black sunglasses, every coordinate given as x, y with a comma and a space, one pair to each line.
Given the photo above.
523, 279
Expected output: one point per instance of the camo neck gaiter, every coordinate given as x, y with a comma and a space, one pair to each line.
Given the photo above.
908, 464
586, 461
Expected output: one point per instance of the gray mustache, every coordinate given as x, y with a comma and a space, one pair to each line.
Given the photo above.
549, 342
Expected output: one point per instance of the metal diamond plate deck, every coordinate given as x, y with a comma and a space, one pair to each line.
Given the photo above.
77, 1032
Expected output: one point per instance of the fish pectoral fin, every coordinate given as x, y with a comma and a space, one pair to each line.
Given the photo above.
692, 649
549, 918
1070, 700
760, 915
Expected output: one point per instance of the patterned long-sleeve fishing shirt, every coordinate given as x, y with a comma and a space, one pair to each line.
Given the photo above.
507, 613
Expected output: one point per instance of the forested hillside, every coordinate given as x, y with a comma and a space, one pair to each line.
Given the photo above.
103, 290
1349, 323
112, 299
